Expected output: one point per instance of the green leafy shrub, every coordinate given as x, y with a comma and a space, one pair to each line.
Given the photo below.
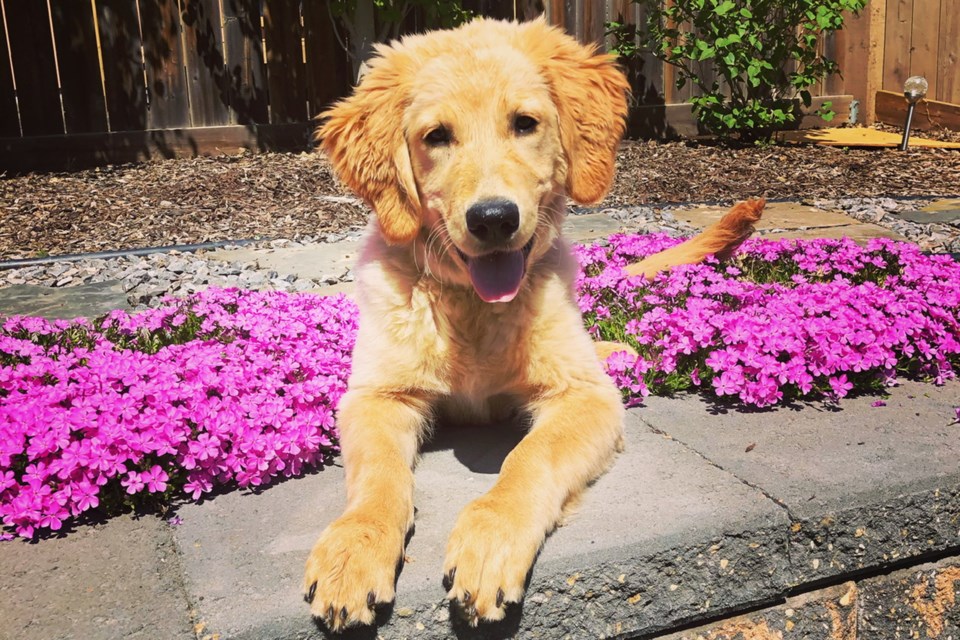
762, 56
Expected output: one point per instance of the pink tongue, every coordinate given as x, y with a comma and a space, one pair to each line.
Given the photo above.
497, 276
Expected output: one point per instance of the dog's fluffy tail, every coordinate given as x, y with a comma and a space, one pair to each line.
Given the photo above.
720, 239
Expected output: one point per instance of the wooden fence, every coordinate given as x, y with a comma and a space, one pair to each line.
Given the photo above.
94, 66
109, 80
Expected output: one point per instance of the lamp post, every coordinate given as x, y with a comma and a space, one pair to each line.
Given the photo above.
913, 90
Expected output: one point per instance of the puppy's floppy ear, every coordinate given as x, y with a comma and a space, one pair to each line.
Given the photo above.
363, 137
590, 93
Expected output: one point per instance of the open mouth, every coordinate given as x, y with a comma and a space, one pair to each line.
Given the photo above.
497, 276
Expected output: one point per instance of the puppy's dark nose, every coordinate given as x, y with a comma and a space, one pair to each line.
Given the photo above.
493, 220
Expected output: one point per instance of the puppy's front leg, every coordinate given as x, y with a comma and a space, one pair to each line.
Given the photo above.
497, 536
353, 565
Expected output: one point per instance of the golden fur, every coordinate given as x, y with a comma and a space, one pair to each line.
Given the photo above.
720, 239
435, 127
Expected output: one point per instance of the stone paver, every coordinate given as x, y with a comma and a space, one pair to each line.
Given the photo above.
89, 300
945, 211
117, 580
662, 537
590, 226
793, 220
317, 261
863, 485
943, 204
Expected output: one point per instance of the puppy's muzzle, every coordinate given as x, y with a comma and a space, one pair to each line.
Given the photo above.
493, 222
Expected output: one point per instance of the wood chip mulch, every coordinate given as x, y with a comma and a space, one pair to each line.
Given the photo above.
292, 195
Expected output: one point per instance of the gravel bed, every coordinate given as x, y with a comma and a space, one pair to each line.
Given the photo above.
933, 237
147, 279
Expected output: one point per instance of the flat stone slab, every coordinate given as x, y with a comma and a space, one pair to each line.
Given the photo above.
116, 580
88, 300
793, 220
661, 539
318, 261
944, 204
941, 215
346, 288
860, 232
589, 226
863, 485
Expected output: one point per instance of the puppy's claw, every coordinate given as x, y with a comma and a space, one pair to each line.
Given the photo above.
371, 600
466, 598
448, 579
343, 614
499, 597
311, 593
331, 618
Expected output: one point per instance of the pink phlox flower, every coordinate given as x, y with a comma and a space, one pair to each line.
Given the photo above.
133, 482
155, 478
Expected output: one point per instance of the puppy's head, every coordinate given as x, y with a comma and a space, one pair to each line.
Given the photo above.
472, 137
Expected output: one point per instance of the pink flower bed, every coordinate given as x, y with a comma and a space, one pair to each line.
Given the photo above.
233, 387
784, 319
228, 387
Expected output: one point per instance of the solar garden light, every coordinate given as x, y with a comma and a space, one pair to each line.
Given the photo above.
913, 90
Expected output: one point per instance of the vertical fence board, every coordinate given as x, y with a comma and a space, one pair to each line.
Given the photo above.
328, 69
651, 68
163, 58
833, 46
75, 33
556, 12
876, 14
948, 74
246, 71
203, 56
573, 17
896, 51
285, 68
677, 94
9, 120
122, 64
854, 55
925, 41
841, 47
594, 16
34, 68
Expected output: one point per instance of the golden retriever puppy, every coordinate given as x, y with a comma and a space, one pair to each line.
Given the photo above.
466, 144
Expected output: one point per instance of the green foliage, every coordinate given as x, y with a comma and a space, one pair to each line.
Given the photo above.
752, 60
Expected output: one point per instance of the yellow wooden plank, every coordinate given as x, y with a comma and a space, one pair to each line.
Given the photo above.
860, 137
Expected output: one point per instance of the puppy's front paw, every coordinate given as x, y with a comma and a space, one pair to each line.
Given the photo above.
351, 569
489, 554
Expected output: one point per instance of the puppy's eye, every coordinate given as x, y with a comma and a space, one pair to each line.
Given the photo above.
438, 137
524, 124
